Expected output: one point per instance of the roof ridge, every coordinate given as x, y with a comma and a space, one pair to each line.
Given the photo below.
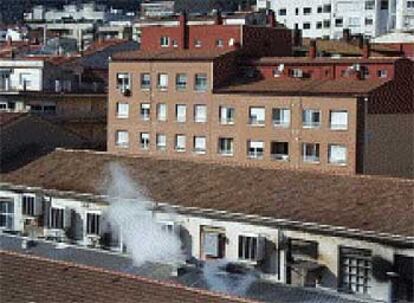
129, 276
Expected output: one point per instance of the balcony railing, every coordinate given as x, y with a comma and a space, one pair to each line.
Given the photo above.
255, 154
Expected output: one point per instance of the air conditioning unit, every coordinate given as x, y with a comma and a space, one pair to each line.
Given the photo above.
125, 91
356, 67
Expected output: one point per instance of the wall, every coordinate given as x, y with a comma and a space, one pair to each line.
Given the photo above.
389, 146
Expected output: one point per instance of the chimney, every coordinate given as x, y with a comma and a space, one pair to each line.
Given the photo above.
312, 49
346, 34
9, 41
360, 41
366, 50
297, 37
183, 30
218, 19
271, 19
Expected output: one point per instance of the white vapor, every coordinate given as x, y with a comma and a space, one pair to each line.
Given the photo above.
130, 213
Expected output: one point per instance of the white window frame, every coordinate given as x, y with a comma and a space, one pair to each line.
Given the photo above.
125, 79
162, 81
255, 149
161, 144
284, 117
164, 41
122, 110
29, 210
229, 150
180, 138
228, 113
179, 83
254, 119
8, 214
316, 153
90, 229
203, 85
144, 138
145, 84
200, 113
53, 222
200, 148
162, 112
145, 111
124, 143
278, 156
181, 113
338, 126
335, 161
308, 116
250, 247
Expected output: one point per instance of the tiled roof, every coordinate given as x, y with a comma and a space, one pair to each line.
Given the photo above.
6, 118
357, 202
302, 87
323, 60
170, 55
27, 278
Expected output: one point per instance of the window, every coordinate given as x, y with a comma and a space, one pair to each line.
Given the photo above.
410, 4
162, 81
281, 117
219, 43
338, 120
355, 269
354, 22
122, 138
174, 43
296, 73
337, 154
257, 115
326, 23
297, 11
49, 109
181, 113
145, 111
145, 140
320, 9
6, 214
200, 145
327, 8
307, 10
369, 5
282, 12
200, 113
225, 147
123, 81
384, 4
162, 112
226, 115
57, 218
382, 73
92, 224
145, 81
122, 110
310, 152
339, 22
28, 205
306, 25
255, 149
181, 81
25, 80
250, 247
200, 82
280, 151
318, 25
369, 21
180, 143
165, 41
197, 43
161, 141
311, 118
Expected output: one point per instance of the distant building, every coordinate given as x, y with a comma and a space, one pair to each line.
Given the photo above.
157, 8
318, 18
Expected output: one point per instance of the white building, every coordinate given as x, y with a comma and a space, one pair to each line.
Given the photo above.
328, 18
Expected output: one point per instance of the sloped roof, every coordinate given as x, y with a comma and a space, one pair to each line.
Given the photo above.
169, 55
354, 202
27, 278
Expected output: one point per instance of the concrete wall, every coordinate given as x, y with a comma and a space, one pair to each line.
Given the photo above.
389, 145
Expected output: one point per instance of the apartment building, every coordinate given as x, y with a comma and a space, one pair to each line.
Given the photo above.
327, 18
336, 238
332, 115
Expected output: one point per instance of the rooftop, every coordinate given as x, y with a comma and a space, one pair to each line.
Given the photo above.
353, 202
34, 279
301, 87
170, 55
323, 60
6, 118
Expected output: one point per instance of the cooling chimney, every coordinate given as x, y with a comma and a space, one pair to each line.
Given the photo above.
183, 30
366, 50
271, 19
346, 35
312, 49
218, 18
